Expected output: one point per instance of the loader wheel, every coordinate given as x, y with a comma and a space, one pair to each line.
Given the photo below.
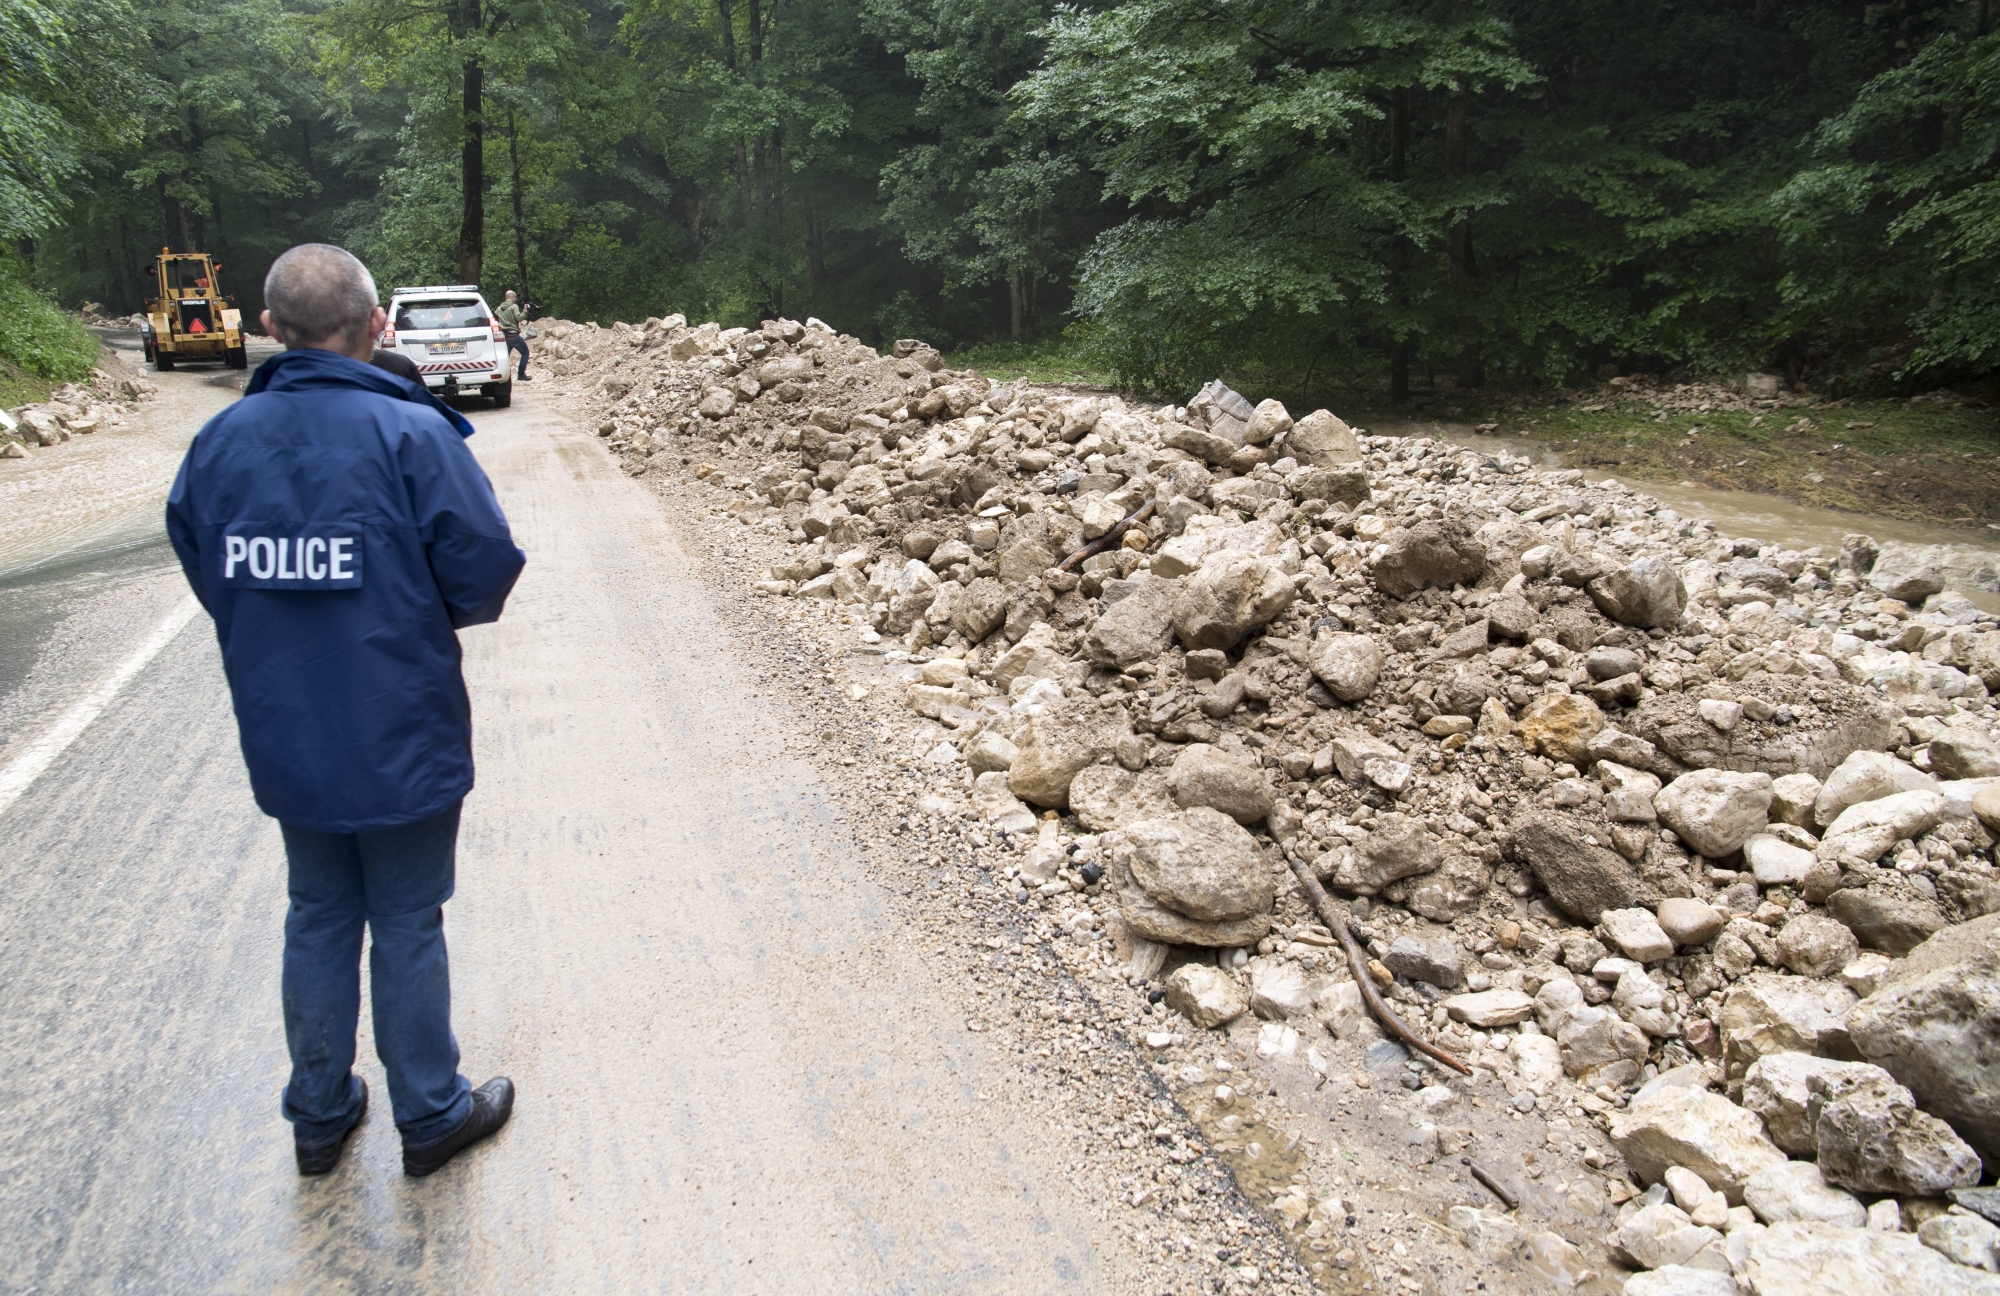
163, 362
237, 357
146, 344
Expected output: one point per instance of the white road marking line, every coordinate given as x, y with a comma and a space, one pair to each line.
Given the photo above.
43, 751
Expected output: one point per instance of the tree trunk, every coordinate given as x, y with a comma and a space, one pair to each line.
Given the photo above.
520, 226
464, 22
1017, 302
472, 178
1399, 252
1471, 367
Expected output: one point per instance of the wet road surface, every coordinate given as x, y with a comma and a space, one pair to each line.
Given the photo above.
733, 1075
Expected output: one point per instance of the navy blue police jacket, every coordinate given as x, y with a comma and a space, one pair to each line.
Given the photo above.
337, 528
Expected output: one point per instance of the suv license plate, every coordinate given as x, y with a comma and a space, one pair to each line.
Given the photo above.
446, 348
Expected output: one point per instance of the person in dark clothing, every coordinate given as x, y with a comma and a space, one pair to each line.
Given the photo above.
338, 530
396, 363
510, 314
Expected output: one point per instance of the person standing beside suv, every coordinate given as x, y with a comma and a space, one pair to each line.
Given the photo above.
509, 315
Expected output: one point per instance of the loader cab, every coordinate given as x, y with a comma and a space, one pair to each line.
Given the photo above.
191, 319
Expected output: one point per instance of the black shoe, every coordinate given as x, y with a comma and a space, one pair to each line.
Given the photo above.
314, 1161
492, 1104
522, 378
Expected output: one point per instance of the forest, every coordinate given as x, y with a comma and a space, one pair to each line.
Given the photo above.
1414, 195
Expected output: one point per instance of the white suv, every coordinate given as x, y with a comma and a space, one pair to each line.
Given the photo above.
452, 338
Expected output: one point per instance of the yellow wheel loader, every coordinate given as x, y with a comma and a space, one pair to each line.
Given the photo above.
191, 319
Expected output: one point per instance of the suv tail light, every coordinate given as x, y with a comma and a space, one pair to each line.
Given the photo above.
389, 338
498, 335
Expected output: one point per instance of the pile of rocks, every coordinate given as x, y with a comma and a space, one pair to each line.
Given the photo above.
1691, 833
101, 401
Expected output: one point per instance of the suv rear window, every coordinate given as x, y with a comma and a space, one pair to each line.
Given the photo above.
418, 315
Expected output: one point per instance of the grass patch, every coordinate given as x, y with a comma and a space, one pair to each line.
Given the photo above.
1051, 360
36, 336
18, 387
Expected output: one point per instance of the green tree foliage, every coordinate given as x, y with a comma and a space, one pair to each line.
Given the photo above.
1430, 192
36, 334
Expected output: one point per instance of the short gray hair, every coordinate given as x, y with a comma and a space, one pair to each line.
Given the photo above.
316, 292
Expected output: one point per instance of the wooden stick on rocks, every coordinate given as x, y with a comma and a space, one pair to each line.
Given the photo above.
1357, 962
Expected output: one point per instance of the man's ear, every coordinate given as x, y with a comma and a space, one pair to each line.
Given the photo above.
271, 327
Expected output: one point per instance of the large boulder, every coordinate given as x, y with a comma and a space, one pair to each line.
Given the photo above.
1443, 552
1870, 1137
1582, 875
1053, 747
1682, 1125
1647, 594
1233, 595
1560, 726
1193, 878
1716, 811
1935, 1027
1208, 776
1137, 628
1322, 440
1800, 1258
1349, 665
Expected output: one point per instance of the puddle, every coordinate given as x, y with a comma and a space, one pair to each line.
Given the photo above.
1270, 1169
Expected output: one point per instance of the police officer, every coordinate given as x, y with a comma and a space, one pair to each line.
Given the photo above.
338, 530
510, 313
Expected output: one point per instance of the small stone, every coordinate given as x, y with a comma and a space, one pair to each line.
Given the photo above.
1716, 811
1560, 726
1638, 933
1348, 664
1723, 715
1816, 946
1681, 1280
1648, 594
1792, 798
1794, 1190
1205, 995
1663, 1234
1774, 862
1207, 776
1426, 957
1867, 972
1962, 1239
1490, 1009
1690, 922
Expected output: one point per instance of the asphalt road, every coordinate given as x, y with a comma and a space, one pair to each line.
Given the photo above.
734, 1074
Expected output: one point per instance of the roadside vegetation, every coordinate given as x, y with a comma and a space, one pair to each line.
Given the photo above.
41, 345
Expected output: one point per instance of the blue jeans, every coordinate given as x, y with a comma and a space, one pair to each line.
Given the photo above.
395, 883
515, 342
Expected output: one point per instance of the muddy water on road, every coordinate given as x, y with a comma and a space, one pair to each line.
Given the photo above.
1735, 513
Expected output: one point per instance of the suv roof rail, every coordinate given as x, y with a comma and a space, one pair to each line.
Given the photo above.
464, 288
